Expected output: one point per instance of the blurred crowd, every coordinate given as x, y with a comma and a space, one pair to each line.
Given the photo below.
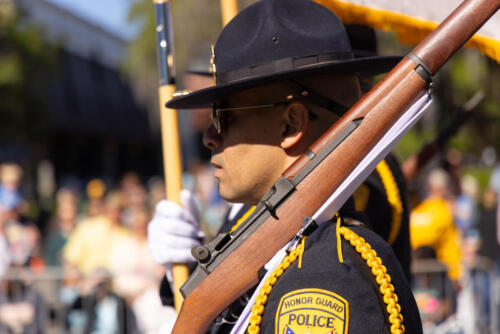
455, 237
93, 249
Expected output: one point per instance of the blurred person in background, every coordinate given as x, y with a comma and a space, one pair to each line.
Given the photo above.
60, 226
488, 229
128, 182
495, 179
212, 207
136, 276
96, 189
22, 309
136, 201
4, 252
156, 191
22, 236
489, 247
5, 257
432, 225
133, 196
465, 211
495, 186
101, 310
474, 298
10, 181
70, 290
89, 244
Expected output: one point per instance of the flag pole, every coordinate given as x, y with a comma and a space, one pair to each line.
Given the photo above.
229, 9
172, 163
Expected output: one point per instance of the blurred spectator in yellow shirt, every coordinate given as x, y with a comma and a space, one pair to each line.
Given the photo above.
431, 224
89, 245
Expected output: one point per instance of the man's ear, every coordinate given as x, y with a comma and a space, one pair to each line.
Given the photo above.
295, 124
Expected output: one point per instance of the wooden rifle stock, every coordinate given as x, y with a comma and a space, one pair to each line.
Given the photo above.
378, 111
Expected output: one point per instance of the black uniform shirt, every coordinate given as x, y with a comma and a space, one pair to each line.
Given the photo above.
325, 295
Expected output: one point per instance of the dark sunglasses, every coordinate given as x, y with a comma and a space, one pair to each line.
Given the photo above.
218, 118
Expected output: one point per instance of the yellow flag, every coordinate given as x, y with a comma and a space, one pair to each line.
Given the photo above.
413, 20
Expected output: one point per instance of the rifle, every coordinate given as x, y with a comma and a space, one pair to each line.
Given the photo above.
230, 265
415, 163
172, 164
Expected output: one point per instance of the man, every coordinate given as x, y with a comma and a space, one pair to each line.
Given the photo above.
284, 73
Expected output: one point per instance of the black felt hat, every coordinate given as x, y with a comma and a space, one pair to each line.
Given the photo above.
276, 40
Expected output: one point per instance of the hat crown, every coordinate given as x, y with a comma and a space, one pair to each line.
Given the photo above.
274, 30
280, 40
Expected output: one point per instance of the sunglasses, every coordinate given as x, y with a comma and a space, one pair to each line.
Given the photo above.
219, 115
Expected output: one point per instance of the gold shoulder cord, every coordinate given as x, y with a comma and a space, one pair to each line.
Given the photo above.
372, 260
382, 278
393, 197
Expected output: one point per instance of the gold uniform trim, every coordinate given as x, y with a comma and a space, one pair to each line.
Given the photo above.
394, 199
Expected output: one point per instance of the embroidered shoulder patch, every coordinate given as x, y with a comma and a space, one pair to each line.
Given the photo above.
312, 311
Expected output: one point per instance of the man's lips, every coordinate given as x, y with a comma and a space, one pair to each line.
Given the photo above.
215, 165
217, 169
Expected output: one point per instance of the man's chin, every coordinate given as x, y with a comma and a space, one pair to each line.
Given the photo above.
235, 197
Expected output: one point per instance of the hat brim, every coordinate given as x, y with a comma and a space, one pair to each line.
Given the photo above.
364, 66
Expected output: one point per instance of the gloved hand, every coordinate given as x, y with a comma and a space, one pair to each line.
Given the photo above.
174, 230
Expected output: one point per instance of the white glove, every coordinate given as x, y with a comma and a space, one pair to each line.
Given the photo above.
174, 230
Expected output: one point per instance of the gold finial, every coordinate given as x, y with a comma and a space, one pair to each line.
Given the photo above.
212, 65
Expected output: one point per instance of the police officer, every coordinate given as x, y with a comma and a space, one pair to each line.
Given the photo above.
284, 73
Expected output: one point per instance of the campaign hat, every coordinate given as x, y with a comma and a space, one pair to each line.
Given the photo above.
277, 40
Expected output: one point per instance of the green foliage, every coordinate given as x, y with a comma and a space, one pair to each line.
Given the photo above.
481, 174
10, 70
25, 63
412, 141
466, 73
462, 141
196, 26
140, 63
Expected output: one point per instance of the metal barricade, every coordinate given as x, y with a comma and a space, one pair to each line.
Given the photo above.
471, 306
51, 300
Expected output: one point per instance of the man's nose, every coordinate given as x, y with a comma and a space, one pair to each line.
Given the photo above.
211, 139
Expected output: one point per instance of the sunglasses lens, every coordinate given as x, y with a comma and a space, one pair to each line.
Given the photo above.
216, 119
